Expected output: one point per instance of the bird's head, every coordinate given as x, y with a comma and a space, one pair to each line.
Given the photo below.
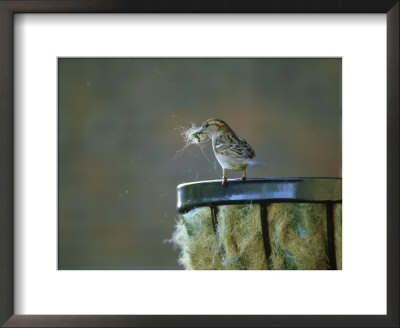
214, 127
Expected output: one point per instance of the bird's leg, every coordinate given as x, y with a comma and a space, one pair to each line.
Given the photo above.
244, 175
224, 177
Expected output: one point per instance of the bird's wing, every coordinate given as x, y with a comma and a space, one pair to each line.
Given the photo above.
233, 146
250, 151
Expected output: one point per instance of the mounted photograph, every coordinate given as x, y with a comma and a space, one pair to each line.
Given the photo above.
199, 163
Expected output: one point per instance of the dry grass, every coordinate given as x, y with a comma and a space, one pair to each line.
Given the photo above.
191, 137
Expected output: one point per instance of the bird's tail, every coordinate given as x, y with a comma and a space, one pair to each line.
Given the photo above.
254, 163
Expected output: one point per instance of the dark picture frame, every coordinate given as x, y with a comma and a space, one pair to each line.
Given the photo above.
10, 7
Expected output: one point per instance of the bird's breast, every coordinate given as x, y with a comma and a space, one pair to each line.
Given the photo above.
229, 163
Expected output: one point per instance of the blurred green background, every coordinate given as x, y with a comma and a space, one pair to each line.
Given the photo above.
118, 133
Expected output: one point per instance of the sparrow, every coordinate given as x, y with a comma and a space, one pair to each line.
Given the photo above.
232, 152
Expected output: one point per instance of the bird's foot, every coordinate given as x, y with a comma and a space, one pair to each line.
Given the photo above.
243, 178
224, 180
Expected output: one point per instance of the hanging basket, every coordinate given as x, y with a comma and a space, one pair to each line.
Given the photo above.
268, 223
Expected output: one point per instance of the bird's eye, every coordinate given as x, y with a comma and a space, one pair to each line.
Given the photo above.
206, 126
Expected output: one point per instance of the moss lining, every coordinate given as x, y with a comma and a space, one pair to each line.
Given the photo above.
297, 232
298, 236
199, 249
240, 237
337, 223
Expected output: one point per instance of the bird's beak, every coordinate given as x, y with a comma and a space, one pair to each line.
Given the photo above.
200, 131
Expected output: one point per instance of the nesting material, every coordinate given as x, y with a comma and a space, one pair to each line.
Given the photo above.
191, 137
297, 238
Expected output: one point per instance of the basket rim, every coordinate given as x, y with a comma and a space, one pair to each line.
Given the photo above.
258, 180
258, 190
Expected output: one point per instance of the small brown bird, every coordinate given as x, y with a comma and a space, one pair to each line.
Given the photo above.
232, 152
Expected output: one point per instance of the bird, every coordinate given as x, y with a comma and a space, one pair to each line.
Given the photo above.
233, 153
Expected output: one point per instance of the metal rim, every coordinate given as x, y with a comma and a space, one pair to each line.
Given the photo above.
212, 193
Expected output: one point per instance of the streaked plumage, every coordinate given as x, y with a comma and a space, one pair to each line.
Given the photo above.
232, 152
